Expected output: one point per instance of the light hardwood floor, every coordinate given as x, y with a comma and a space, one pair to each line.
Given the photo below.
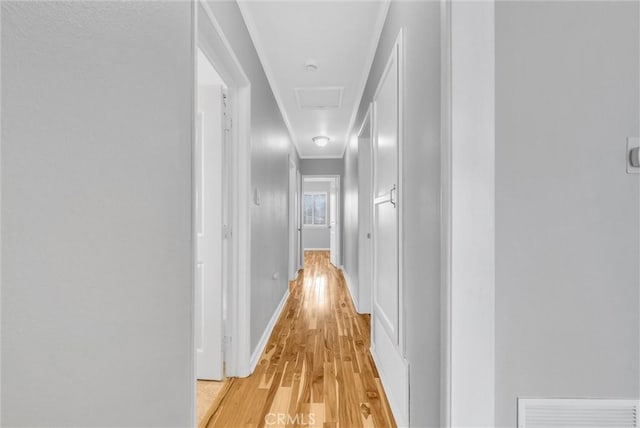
316, 369
207, 393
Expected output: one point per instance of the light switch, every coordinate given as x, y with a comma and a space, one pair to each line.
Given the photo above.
634, 157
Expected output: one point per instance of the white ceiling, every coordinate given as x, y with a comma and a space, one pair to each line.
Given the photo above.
341, 37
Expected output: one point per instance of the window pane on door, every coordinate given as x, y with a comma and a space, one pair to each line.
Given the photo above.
320, 209
308, 209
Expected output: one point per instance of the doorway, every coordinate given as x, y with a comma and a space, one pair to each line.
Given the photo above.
365, 211
294, 220
321, 215
211, 214
221, 222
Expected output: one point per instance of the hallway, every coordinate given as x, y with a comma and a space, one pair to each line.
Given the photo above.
316, 369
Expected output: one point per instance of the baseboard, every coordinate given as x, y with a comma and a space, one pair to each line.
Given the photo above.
394, 375
317, 249
257, 353
347, 279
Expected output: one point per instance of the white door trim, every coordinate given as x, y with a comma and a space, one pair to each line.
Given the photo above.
209, 37
364, 262
468, 213
293, 221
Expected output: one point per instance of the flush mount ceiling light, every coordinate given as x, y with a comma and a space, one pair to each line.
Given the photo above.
310, 65
321, 141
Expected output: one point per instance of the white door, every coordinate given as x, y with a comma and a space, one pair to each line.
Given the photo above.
333, 221
387, 342
208, 158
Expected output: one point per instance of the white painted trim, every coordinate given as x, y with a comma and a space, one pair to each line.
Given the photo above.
192, 230
470, 151
396, 403
367, 119
445, 214
321, 157
257, 43
266, 334
373, 48
212, 40
368, 116
347, 279
316, 249
292, 217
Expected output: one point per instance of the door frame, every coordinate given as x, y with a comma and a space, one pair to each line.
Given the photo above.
294, 199
366, 126
207, 35
338, 217
467, 164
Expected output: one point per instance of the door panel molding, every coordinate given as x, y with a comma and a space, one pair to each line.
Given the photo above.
388, 320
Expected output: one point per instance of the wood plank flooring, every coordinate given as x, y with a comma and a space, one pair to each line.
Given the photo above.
208, 394
316, 369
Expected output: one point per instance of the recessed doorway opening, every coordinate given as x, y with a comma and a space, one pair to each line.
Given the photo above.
320, 215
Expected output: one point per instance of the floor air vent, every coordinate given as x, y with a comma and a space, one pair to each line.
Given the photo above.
577, 413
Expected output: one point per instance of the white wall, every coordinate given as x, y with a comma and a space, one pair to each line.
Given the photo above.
421, 23
567, 214
316, 237
271, 147
96, 214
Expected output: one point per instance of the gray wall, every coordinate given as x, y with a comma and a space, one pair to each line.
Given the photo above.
269, 173
314, 236
96, 210
421, 23
567, 246
321, 166
96, 214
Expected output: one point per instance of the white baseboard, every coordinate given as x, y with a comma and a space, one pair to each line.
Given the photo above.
257, 353
347, 279
317, 249
394, 374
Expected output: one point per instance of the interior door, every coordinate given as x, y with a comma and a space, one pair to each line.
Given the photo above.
387, 342
209, 232
385, 210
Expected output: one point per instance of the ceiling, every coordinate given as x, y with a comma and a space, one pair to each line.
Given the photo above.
340, 37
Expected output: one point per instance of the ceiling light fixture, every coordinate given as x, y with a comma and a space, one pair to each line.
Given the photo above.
311, 65
321, 141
